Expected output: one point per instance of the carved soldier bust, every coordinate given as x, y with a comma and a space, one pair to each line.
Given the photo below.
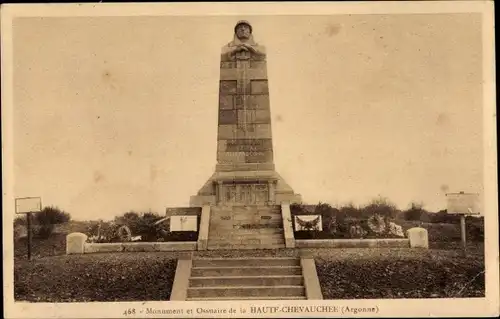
243, 46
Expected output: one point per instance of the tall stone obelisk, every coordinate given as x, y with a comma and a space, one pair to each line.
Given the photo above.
245, 172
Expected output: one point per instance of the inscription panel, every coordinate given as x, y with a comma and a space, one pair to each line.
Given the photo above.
224, 157
259, 157
231, 157
254, 145
244, 167
245, 194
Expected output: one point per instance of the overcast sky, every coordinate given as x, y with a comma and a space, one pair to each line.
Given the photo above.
115, 114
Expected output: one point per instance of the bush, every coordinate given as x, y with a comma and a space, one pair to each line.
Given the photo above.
43, 231
350, 211
297, 209
417, 212
140, 224
380, 206
47, 219
51, 215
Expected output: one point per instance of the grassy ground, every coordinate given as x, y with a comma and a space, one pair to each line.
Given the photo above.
96, 277
401, 273
55, 245
343, 274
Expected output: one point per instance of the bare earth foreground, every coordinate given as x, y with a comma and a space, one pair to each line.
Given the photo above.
343, 274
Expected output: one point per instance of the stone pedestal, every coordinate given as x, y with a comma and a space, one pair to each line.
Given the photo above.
75, 243
418, 237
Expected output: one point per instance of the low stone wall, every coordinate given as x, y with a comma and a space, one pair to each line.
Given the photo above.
76, 244
139, 247
352, 243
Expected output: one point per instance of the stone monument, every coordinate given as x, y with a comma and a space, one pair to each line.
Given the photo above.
245, 191
245, 172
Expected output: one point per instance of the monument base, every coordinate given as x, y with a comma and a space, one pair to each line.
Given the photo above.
242, 188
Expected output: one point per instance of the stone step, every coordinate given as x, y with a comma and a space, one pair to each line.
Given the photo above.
262, 229
251, 298
255, 240
239, 236
214, 228
251, 217
262, 270
241, 223
246, 211
247, 241
248, 291
241, 281
241, 247
246, 261
250, 207
246, 219
256, 233
244, 231
257, 214
257, 221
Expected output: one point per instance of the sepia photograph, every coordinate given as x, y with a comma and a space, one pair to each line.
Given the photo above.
255, 160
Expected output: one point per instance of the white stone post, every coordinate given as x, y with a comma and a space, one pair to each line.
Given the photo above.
75, 243
418, 237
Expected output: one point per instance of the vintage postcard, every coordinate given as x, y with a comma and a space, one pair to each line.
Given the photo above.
249, 160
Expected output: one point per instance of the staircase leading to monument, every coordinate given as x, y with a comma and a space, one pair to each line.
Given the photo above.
246, 278
246, 227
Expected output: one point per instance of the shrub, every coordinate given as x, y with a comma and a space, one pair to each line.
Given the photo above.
296, 208
380, 206
350, 211
43, 231
140, 224
51, 215
416, 212
47, 219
